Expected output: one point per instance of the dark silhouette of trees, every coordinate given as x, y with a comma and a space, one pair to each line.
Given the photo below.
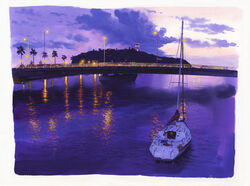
45, 55
63, 58
33, 52
123, 55
21, 52
54, 55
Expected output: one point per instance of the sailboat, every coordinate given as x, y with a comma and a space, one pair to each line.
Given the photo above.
173, 140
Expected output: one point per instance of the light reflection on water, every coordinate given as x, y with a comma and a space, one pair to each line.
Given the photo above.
52, 134
45, 92
107, 116
33, 121
76, 117
66, 95
30, 86
80, 95
157, 125
95, 97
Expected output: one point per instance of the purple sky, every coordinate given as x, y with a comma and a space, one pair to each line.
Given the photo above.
74, 30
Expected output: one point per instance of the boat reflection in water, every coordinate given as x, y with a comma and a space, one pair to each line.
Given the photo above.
115, 79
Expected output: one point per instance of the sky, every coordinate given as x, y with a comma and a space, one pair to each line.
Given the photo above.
211, 34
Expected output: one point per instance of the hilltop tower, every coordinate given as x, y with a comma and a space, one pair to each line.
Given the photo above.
137, 47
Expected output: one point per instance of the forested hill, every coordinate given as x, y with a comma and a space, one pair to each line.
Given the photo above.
122, 55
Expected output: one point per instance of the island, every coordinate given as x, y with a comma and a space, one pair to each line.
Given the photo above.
121, 56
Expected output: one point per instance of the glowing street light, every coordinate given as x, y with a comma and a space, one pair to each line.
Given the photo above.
27, 55
104, 39
45, 32
155, 33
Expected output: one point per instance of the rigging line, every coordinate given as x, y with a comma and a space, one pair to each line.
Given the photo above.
178, 49
179, 79
176, 58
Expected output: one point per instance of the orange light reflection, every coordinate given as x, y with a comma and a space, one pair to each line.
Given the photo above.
33, 121
45, 92
95, 97
80, 94
157, 125
66, 95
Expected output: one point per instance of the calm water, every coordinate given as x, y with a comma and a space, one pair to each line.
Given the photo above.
76, 125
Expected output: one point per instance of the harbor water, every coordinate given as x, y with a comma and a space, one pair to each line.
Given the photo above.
76, 125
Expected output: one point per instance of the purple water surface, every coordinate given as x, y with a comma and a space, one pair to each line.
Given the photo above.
76, 125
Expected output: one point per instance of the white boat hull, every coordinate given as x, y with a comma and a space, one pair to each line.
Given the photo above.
171, 142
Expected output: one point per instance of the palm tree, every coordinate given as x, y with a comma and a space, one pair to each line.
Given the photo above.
54, 55
63, 58
33, 52
20, 51
45, 55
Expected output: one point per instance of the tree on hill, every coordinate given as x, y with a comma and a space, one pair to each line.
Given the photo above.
44, 56
21, 52
123, 55
63, 58
33, 52
54, 55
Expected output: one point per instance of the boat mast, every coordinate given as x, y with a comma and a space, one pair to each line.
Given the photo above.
181, 74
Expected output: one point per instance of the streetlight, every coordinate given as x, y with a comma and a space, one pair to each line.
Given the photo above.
104, 39
155, 33
27, 55
45, 32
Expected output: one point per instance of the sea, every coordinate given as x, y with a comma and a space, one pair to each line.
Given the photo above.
75, 125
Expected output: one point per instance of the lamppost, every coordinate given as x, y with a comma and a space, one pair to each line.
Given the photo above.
27, 55
104, 39
155, 34
45, 32
44, 53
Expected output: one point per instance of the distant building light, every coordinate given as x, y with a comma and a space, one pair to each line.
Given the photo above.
137, 47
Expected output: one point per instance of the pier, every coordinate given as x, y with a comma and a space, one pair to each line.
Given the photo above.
28, 73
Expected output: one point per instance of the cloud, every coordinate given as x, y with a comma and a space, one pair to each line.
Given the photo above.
151, 11
14, 22
57, 14
59, 44
77, 38
17, 44
202, 25
222, 43
27, 11
49, 44
215, 43
125, 27
197, 43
